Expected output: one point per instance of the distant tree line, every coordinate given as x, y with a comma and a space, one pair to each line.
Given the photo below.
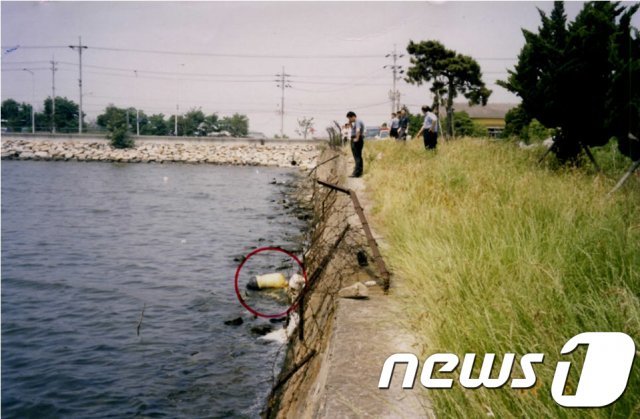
17, 117
192, 123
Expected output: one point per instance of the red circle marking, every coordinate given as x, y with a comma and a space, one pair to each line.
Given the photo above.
247, 306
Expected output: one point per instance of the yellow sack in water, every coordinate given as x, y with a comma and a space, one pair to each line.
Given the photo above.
275, 280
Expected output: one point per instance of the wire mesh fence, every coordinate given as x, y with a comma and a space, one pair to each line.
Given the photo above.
338, 254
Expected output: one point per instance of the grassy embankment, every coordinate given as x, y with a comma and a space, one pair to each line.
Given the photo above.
503, 255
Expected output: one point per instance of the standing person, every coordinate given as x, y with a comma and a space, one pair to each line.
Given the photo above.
357, 142
395, 124
429, 129
403, 124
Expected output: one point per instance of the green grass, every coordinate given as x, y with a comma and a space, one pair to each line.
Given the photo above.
503, 255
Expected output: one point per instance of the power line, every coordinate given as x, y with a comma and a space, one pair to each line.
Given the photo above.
228, 55
18, 47
24, 62
294, 76
140, 71
213, 80
33, 69
174, 78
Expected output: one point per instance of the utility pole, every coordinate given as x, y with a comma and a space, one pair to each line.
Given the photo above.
175, 120
396, 71
79, 47
53, 95
283, 83
33, 100
137, 110
175, 130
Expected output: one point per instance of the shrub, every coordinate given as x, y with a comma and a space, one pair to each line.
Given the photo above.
119, 132
464, 126
537, 132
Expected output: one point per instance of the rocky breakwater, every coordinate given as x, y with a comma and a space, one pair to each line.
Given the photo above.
281, 155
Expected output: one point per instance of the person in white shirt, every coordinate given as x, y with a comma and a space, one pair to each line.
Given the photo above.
357, 142
395, 124
429, 130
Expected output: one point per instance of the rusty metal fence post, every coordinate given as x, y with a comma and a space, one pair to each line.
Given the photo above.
377, 257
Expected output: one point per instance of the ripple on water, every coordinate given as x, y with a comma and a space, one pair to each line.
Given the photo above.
87, 245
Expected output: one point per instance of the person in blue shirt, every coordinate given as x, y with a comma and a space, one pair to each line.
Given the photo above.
429, 130
357, 142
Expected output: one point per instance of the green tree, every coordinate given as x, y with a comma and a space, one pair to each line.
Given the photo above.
537, 132
117, 121
415, 123
211, 124
191, 122
10, 114
566, 75
446, 69
119, 130
464, 126
128, 115
156, 125
236, 125
110, 113
16, 115
516, 120
66, 114
623, 101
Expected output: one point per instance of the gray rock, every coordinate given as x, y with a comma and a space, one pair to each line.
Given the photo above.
234, 322
261, 329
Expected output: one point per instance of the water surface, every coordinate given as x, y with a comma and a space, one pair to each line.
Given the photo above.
85, 246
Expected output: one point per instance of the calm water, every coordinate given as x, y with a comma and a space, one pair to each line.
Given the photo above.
85, 246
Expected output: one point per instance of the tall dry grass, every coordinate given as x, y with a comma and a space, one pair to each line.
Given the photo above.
503, 255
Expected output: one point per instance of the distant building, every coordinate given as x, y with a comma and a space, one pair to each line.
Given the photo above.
490, 116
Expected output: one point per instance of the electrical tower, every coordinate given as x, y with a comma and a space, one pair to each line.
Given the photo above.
53, 95
79, 47
397, 71
283, 83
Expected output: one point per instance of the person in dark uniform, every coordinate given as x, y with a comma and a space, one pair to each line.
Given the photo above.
357, 142
429, 129
403, 124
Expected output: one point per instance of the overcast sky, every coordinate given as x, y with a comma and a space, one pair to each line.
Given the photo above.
334, 52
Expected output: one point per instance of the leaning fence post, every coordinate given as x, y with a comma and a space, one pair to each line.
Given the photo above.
626, 176
377, 257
